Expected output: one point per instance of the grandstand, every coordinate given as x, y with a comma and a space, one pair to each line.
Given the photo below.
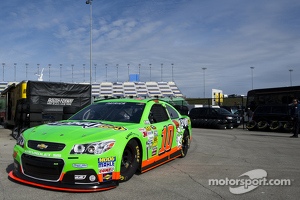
136, 89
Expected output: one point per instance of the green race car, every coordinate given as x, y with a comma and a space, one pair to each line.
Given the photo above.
105, 143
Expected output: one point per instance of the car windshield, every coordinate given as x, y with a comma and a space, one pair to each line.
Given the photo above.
223, 111
112, 111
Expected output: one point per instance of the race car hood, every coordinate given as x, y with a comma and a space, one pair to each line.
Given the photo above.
67, 131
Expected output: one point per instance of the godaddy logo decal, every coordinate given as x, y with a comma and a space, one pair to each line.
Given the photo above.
249, 181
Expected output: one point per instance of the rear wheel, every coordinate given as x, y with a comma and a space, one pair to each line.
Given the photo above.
130, 160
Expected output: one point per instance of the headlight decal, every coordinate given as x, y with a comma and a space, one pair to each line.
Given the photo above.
79, 148
20, 141
95, 148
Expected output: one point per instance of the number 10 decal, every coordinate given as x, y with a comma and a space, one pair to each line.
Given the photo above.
167, 139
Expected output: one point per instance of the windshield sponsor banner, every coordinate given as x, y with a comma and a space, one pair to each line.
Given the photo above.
88, 125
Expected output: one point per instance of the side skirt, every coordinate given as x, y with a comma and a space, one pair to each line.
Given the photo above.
164, 159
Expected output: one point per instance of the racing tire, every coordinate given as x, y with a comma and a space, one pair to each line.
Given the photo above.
185, 144
262, 125
130, 160
275, 125
251, 125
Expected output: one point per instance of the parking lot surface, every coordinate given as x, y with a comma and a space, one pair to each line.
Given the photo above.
217, 159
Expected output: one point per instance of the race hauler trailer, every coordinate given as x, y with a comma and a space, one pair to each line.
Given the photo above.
31, 103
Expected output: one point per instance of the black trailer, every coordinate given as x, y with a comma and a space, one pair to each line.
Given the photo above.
31, 103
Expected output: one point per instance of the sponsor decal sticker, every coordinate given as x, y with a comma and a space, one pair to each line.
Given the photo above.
59, 101
79, 165
42, 146
107, 177
106, 165
42, 154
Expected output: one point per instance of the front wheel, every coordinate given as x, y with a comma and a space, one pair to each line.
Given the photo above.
130, 160
185, 143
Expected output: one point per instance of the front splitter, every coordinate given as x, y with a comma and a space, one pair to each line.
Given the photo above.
64, 187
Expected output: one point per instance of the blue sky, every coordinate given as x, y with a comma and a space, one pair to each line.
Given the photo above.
225, 37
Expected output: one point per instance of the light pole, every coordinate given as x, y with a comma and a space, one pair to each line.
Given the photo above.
291, 76
83, 73
95, 73
60, 71
139, 71
49, 65
91, 26
26, 70
15, 67
204, 68
252, 76
117, 72
150, 72
128, 71
172, 72
38, 66
161, 71
105, 72
72, 71
3, 64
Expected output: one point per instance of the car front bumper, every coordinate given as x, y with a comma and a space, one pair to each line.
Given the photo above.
71, 181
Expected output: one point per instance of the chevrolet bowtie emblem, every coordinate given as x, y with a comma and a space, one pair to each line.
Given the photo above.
42, 146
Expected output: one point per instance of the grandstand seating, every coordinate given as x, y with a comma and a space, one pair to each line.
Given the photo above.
136, 89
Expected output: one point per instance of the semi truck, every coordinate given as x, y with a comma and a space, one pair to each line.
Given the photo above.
31, 103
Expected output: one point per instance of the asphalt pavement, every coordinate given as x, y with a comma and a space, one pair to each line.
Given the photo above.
219, 165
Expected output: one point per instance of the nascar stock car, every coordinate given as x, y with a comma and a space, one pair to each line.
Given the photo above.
103, 144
